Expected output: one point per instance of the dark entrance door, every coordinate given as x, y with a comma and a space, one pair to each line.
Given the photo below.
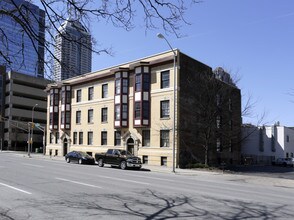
64, 146
130, 145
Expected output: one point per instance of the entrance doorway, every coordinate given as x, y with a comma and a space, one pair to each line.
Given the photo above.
130, 146
64, 146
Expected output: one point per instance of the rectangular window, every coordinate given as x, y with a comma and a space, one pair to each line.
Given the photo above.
55, 118
90, 116
164, 109
124, 111
67, 117
117, 112
75, 137
163, 161
62, 97
90, 138
138, 82
57, 137
68, 97
104, 115
218, 100
146, 82
218, 121
104, 138
137, 110
146, 138
164, 138
51, 138
117, 138
218, 145
164, 79
117, 86
79, 95
62, 118
104, 91
90, 93
56, 99
125, 86
288, 138
146, 110
51, 99
80, 137
51, 119
145, 159
78, 117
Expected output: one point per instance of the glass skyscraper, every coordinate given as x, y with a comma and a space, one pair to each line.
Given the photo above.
18, 51
73, 49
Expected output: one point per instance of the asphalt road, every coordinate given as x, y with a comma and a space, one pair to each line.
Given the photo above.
35, 188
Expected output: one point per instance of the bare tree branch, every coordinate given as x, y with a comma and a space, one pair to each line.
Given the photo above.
164, 14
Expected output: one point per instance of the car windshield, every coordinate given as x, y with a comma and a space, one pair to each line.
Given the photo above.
124, 152
83, 154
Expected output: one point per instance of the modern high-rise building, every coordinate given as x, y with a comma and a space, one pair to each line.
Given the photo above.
22, 46
73, 50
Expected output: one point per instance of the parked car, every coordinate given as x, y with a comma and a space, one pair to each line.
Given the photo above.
118, 157
79, 157
284, 162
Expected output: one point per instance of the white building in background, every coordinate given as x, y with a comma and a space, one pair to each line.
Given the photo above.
73, 49
265, 143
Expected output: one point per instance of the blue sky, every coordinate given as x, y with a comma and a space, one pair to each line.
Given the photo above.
252, 39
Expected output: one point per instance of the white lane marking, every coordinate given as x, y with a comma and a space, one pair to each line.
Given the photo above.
149, 177
32, 165
11, 187
80, 183
131, 181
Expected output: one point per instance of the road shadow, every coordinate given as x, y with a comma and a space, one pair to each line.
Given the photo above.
128, 169
150, 205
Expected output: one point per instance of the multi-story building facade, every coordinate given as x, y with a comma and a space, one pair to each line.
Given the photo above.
264, 144
73, 50
24, 101
131, 106
22, 47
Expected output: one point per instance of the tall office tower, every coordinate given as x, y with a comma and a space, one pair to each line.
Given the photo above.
73, 49
18, 51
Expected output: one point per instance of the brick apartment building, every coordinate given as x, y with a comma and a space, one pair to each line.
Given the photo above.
131, 106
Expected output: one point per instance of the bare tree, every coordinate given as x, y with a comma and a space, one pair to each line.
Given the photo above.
210, 127
163, 14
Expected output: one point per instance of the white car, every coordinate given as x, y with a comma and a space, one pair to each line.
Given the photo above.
284, 162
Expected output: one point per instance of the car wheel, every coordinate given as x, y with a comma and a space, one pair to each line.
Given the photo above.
100, 163
123, 165
68, 160
284, 164
80, 161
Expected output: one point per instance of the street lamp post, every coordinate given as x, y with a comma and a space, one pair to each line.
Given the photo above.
161, 36
32, 130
